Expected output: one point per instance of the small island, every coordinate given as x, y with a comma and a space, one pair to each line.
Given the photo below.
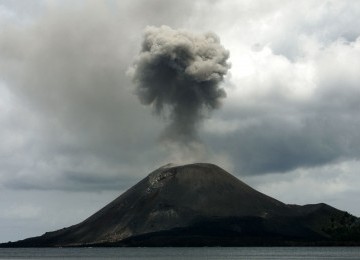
202, 205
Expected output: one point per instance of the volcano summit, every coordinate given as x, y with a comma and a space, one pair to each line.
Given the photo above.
202, 205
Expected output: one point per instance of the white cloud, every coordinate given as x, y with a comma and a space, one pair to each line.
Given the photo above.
79, 115
335, 184
31, 213
24, 211
6, 13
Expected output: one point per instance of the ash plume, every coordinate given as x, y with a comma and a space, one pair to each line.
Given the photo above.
178, 74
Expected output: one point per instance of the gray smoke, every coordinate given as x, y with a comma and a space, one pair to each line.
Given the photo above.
178, 74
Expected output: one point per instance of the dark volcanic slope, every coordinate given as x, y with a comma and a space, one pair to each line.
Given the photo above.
197, 204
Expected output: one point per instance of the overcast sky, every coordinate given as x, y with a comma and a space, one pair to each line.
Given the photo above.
74, 136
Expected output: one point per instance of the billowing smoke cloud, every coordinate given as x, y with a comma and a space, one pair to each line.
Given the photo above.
178, 74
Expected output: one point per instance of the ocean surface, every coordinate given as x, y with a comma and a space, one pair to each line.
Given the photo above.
183, 253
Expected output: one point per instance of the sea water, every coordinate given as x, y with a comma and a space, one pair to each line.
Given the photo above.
184, 253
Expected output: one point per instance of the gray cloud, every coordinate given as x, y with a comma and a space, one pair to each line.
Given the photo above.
180, 73
276, 145
303, 118
72, 109
70, 103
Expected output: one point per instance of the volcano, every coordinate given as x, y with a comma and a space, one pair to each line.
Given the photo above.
202, 205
